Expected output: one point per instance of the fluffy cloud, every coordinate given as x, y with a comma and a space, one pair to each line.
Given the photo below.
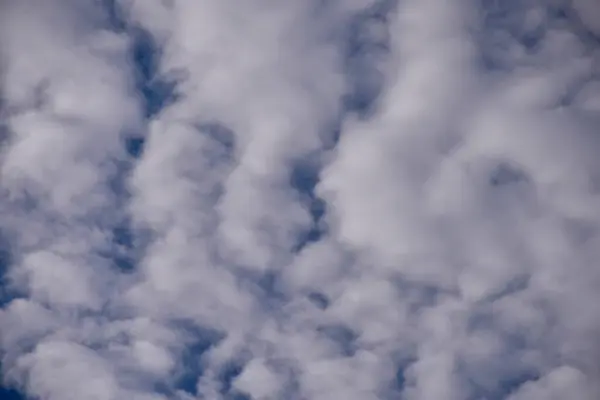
348, 199
589, 14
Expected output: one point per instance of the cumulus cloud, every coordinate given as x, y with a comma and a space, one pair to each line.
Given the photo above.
363, 199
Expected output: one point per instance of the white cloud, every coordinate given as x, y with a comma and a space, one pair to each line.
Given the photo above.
69, 371
259, 381
456, 256
589, 13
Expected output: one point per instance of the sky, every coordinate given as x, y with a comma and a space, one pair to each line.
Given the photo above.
299, 200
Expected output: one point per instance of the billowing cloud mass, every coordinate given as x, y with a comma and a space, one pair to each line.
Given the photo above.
311, 200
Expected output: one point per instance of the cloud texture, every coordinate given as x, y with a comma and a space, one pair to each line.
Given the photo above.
345, 199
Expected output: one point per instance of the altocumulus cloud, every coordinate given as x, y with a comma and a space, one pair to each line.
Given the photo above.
345, 199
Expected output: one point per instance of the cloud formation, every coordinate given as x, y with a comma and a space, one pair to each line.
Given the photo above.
359, 199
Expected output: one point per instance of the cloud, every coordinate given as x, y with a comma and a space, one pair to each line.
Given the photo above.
589, 13
363, 199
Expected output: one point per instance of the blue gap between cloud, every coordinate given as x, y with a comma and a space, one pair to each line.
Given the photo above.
7, 393
155, 93
363, 50
191, 367
304, 178
366, 47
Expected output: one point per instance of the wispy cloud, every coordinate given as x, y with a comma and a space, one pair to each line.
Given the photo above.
362, 199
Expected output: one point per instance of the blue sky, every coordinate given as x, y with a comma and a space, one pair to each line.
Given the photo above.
7, 394
357, 199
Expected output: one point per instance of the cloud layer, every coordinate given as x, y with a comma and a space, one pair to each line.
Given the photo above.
359, 199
